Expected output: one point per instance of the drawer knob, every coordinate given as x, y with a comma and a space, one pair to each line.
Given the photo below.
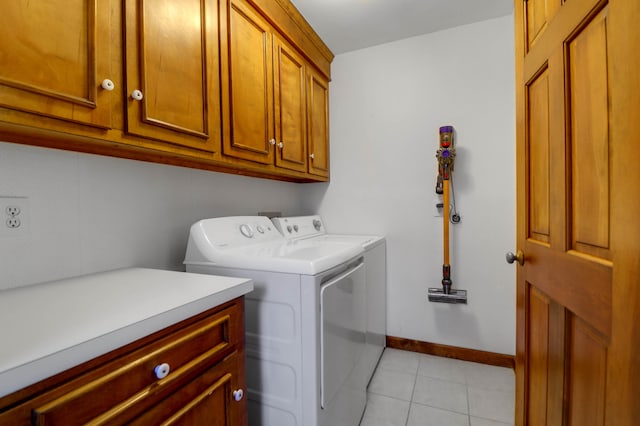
238, 394
137, 95
162, 370
107, 84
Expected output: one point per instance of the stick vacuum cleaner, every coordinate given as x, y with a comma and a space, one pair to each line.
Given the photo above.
446, 155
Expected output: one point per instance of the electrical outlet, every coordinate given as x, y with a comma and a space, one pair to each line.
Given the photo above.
15, 214
13, 211
13, 222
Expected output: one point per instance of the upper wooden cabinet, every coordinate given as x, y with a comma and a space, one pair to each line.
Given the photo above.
172, 72
264, 92
53, 58
238, 86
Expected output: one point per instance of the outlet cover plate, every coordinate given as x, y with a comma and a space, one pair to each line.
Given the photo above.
8, 205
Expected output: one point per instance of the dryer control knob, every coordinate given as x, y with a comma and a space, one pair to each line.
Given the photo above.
289, 228
246, 230
260, 229
317, 224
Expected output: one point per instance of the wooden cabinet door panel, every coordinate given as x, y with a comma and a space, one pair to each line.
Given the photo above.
290, 107
54, 57
172, 57
318, 123
248, 86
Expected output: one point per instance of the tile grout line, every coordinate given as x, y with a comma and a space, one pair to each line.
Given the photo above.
466, 388
415, 378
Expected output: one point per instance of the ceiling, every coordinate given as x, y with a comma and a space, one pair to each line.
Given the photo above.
346, 25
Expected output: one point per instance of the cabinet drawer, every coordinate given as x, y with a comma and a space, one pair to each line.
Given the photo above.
130, 384
210, 399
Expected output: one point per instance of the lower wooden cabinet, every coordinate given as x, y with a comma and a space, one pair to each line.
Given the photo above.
189, 374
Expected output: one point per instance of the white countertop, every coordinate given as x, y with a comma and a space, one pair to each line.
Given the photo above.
48, 328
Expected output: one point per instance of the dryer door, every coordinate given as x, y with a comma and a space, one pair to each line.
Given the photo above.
342, 331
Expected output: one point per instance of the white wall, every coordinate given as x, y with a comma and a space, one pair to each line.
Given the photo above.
89, 213
387, 103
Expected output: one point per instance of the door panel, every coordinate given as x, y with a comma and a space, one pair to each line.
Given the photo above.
538, 15
546, 336
588, 82
538, 94
587, 355
538, 339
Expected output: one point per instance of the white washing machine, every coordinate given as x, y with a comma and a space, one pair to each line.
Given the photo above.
305, 319
375, 259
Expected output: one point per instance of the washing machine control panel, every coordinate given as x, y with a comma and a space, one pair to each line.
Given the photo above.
299, 226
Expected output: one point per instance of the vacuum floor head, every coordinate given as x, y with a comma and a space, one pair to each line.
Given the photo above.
455, 296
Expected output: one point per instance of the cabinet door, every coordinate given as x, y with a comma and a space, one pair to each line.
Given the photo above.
290, 106
248, 87
172, 58
54, 56
318, 113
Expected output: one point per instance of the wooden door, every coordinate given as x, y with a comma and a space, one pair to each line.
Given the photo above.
577, 289
318, 123
247, 78
54, 56
172, 59
290, 106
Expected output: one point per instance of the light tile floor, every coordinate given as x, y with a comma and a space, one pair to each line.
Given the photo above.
412, 389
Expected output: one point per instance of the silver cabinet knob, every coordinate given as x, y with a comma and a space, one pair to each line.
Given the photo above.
281, 145
162, 370
238, 394
272, 141
519, 257
312, 156
137, 95
107, 85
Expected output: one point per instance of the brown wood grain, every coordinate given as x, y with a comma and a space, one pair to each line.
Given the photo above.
318, 123
185, 112
120, 385
464, 354
564, 375
623, 360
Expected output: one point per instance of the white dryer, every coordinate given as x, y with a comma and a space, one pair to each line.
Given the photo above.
305, 320
375, 259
